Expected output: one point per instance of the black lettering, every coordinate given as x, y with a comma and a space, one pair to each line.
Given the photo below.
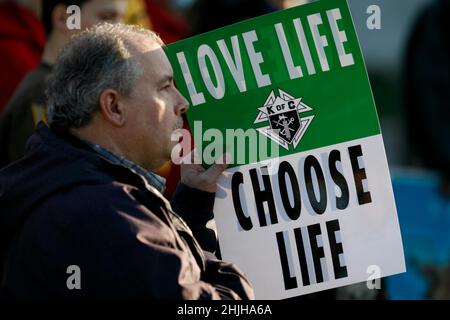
289, 282
336, 249
269, 110
339, 180
262, 196
291, 104
359, 174
244, 221
318, 206
317, 252
302, 256
292, 211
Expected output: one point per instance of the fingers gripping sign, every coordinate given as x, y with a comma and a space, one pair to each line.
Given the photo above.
195, 176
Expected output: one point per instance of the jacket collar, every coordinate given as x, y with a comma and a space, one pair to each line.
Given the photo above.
151, 178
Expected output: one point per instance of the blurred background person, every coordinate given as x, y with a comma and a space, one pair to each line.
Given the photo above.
22, 40
27, 105
426, 97
427, 90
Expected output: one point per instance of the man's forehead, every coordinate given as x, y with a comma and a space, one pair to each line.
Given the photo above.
139, 44
151, 55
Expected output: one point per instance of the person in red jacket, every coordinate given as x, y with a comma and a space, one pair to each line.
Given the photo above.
27, 105
22, 40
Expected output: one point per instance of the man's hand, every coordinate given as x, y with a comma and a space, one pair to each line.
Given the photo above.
195, 176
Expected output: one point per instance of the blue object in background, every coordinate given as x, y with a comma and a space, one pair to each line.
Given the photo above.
424, 216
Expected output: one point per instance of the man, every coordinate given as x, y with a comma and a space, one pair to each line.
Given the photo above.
84, 196
26, 108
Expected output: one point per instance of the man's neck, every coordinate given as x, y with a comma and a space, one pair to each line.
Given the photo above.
96, 137
107, 149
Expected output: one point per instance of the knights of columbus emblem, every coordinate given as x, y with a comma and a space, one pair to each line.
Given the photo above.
283, 113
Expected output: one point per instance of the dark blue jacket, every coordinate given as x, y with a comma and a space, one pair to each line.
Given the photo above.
64, 205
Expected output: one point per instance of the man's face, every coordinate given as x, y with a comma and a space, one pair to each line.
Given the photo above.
96, 11
155, 107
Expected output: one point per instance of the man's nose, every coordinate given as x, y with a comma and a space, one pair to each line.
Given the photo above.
182, 104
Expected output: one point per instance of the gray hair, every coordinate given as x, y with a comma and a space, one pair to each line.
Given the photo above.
95, 60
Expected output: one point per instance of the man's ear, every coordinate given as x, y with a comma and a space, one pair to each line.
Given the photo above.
59, 18
110, 108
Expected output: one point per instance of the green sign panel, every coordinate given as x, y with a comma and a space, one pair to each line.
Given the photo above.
309, 52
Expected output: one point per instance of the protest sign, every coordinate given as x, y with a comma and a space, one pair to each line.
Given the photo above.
317, 211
